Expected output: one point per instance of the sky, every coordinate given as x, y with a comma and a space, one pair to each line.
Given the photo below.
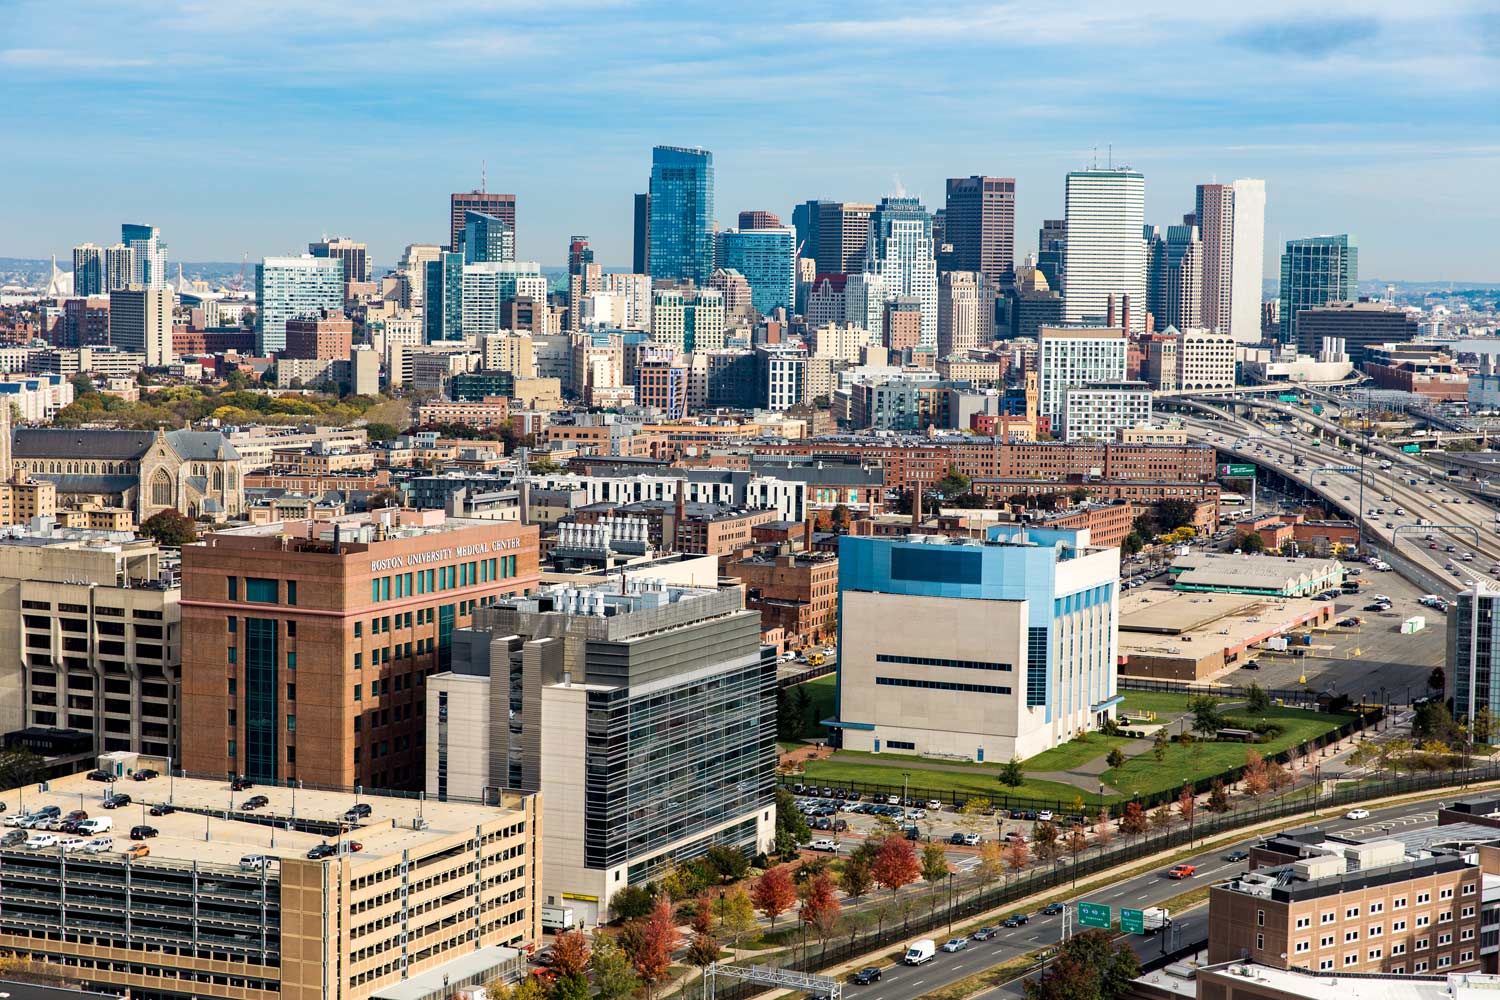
254, 126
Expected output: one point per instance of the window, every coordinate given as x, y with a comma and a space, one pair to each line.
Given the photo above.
1260, 942
1352, 958
1399, 903
908, 682
234, 588
1374, 954
1419, 967
1398, 926
1326, 941
291, 592
1398, 949
1467, 934
1468, 911
1302, 946
291, 692
1445, 893
291, 723
291, 629
1351, 912
1424, 897
233, 623
900, 745
1377, 908
1445, 917
1423, 921
1328, 917
291, 661
260, 590
1468, 888
1444, 961
1467, 956
231, 687
358, 660
934, 661
1325, 964
1444, 939
1304, 922
359, 629
1260, 918
1375, 931
1351, 936
233, 654
357, 695
232, 749
1421, 944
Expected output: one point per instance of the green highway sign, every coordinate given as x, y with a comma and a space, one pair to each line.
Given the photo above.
1237, 470
1411, 448
1094, 915
1132, 921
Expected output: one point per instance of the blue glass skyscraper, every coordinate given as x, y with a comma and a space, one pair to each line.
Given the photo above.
682, 214
488, 239
764, 257
1315, 272
443, 290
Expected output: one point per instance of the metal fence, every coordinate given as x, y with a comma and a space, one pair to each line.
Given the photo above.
1292, 696
921, 910
1066, 810
810, 674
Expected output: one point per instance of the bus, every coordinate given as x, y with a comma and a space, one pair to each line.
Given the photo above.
1231, 500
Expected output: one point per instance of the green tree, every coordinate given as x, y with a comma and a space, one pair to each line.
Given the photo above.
1159, 745
1257, 700
1218, 799
382, 432
1250, 541
841, 518
703, 951
791, 825
1132, 544
19, 767
855, 878
934, 862
383, 498
631, 902
1088, 966
1437, 680
1173, 514
1207, 719
1012, 774
1484, 725
1115, 758
1079, 494
169, 527
729, 862
737, 913
953, 483
802, 704
610, 969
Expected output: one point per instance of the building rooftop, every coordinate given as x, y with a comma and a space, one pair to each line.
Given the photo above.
209, 827
1343, 986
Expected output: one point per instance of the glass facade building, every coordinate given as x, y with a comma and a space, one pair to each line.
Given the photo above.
1315, 272
488, 239
765, 258
293, 288
443, 293
1472, 640
681, 205
901, 253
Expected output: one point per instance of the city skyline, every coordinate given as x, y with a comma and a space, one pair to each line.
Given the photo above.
214, 145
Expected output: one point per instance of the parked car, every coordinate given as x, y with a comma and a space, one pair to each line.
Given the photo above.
40, 841
163, 809
1181, 871
971, 840
14, 838
71, 845
1251, 665
252, 862
254, 802
933, 805
99, 845
100, 775
866, 976
1357, 814
240, 784
146, 774
116, 801
136, 852
956, 944
823, 844
321, 851
142, 832
957, 838
1015, 920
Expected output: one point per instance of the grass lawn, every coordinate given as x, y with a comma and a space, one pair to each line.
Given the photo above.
968, 782
821, 693
1145, 774
1155, 701
1075, 752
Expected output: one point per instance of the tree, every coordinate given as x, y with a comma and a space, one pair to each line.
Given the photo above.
703, 951
610, 969
841, 518
1207, 719
991, 860
1256, 699
1484, 725
1012, 774
382, 432
702, 921
1159, 745
1044, 840
729, 862
1174, 514
1133, 543
820, 907
1186, 802
1161, 816
1133, 821
953, 483
169, 527
934, 863
1437, 680
1017, 854
659, 939
736, 914
631, 902
1077, 841
1102, 833
570, 953
1218, 799
19, 767
1115, 758
774, 893
895, 863
791, 825
383, 498
529, 988
1251, 542
1089, 966
1433, 721
855, 879
1255, 773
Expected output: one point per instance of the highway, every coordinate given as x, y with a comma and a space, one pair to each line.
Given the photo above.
900, 982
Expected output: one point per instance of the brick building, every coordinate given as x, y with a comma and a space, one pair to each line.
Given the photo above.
353, 616
796, 592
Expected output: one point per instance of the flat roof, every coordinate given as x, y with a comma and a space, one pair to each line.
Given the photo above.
1154, 623
1172, 612
1339, 986
199, 830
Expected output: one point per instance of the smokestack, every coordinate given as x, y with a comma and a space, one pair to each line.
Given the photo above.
1109, 312
1124, 313
916, 503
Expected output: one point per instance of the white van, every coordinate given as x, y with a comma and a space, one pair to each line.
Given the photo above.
96, 826
919, 952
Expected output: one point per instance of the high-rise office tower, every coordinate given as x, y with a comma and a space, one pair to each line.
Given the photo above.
900, 251
487, 239
1473, 644
1050, 240
758, 219
1314, 272
980, 225
356, 256
961, 323
640, 257
584, 278
140, 320
833, 233
688, 320
88, 270
286, 287
682, 214
1175, 270
411, 271
1104, 254
501, 206
1232, 221
765, 257
148, 255
119, 267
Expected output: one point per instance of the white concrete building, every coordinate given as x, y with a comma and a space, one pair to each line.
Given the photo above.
1100, 411
1105, 254
1077, 356
1205, 360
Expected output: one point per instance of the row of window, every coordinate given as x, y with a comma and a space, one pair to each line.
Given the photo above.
942, 685
440, 578
938, 661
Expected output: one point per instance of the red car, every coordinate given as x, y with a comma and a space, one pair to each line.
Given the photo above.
1181, 871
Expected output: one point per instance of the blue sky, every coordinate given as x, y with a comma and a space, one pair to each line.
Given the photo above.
254, 126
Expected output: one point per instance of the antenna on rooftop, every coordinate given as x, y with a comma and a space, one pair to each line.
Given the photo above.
1111, 153
483, 164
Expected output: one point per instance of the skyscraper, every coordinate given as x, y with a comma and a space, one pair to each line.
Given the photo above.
443, 298
88, 270
900, 251
487, 239
1314, 272
501, 206
1232, 221
286, 287
758, 219
148, 255
682, 214
1104, 254
140, 320
356, 256
1050, 239
641, 243
584, 278
764, 257
961, 323
980, 225
1175, 286
119, 267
